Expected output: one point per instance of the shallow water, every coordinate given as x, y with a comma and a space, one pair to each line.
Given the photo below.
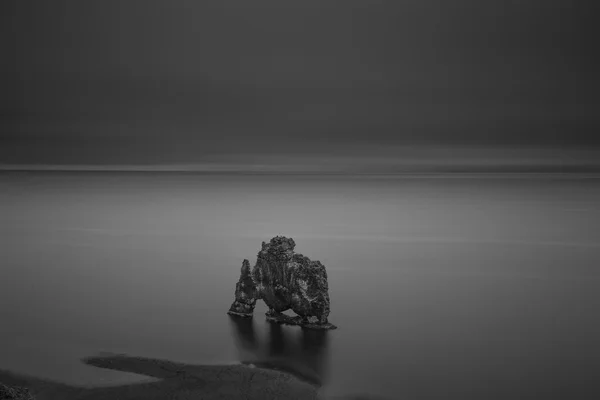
442, 288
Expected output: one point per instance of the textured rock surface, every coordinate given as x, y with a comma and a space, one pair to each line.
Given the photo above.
245, 293
284, 280
14, 393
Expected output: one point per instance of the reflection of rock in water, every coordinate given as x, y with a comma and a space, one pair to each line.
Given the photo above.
245, 335
314, 349
277, 341
303, 353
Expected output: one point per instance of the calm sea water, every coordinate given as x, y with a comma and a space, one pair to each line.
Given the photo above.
441, 287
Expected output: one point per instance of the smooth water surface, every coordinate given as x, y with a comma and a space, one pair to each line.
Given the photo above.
472, 287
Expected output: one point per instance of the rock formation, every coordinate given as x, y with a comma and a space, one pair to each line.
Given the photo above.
284, 280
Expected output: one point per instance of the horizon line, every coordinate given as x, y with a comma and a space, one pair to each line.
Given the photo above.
479, 170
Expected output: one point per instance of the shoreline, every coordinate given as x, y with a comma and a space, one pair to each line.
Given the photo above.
174, 380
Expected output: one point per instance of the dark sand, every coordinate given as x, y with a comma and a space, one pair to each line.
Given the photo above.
174, 381
178, 381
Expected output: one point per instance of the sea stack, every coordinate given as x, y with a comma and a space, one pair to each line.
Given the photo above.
284, 280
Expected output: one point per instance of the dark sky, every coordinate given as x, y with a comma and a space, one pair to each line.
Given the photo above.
118, 81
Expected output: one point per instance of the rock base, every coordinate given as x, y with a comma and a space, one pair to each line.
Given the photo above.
297, 320
238, 314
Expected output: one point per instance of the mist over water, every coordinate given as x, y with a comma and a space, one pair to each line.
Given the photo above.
441, 288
